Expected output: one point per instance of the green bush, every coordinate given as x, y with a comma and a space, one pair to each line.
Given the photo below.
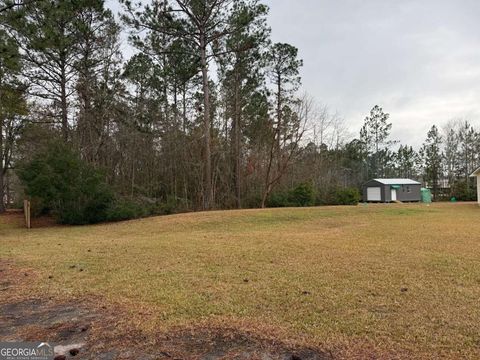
302, 195
124, 209
171, 205
299, 196
347, 196
462, 192
58, 181
325, 196
278, 199
338, 196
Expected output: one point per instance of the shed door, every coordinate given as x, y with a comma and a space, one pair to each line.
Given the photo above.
394, 194
374, 194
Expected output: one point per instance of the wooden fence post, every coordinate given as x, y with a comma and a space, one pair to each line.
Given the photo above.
26, 211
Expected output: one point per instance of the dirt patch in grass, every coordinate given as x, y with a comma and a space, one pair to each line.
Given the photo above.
77, 328
84, 329
14, 218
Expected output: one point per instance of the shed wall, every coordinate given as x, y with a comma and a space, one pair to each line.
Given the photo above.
373, 183
404, 193
387, 195
409, 193
478, 189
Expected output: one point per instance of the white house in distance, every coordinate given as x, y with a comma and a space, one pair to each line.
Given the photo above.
476, 174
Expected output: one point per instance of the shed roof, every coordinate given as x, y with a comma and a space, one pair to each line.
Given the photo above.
397, 181
476, 172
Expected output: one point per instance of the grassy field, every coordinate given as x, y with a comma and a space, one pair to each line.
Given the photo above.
398, 278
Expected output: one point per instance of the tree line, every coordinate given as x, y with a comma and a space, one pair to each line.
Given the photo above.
444, 162
207, 113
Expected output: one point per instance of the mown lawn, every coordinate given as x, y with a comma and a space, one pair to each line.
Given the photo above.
399, 278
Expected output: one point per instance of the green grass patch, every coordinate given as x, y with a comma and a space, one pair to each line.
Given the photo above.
330, 275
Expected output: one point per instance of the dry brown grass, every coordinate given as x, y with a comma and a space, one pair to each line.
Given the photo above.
383, 279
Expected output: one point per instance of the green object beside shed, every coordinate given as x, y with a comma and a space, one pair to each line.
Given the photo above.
426, 195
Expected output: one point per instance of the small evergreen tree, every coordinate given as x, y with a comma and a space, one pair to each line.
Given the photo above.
406, 162
432, 158
374, 134
61, 183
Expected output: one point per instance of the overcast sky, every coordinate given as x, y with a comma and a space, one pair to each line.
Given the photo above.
418, 59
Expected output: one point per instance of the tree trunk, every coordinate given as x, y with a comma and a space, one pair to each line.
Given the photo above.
2, 189
175, 137
275, 145
265, 196
63, 101
268, 183
184, 109
279, 114
207, 186
8, 192
237, 144
2, 171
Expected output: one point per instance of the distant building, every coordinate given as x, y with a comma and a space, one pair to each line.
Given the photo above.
442, 185
389, 190
476, 174
443, 188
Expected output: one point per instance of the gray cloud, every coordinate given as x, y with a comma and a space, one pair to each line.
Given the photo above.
418, 59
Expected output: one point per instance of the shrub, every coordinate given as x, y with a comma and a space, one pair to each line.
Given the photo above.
58, 181
462, 192
347, 196
325, 196
124, 209
170, 206
278, 199
302, 195
305, 195
338, 196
